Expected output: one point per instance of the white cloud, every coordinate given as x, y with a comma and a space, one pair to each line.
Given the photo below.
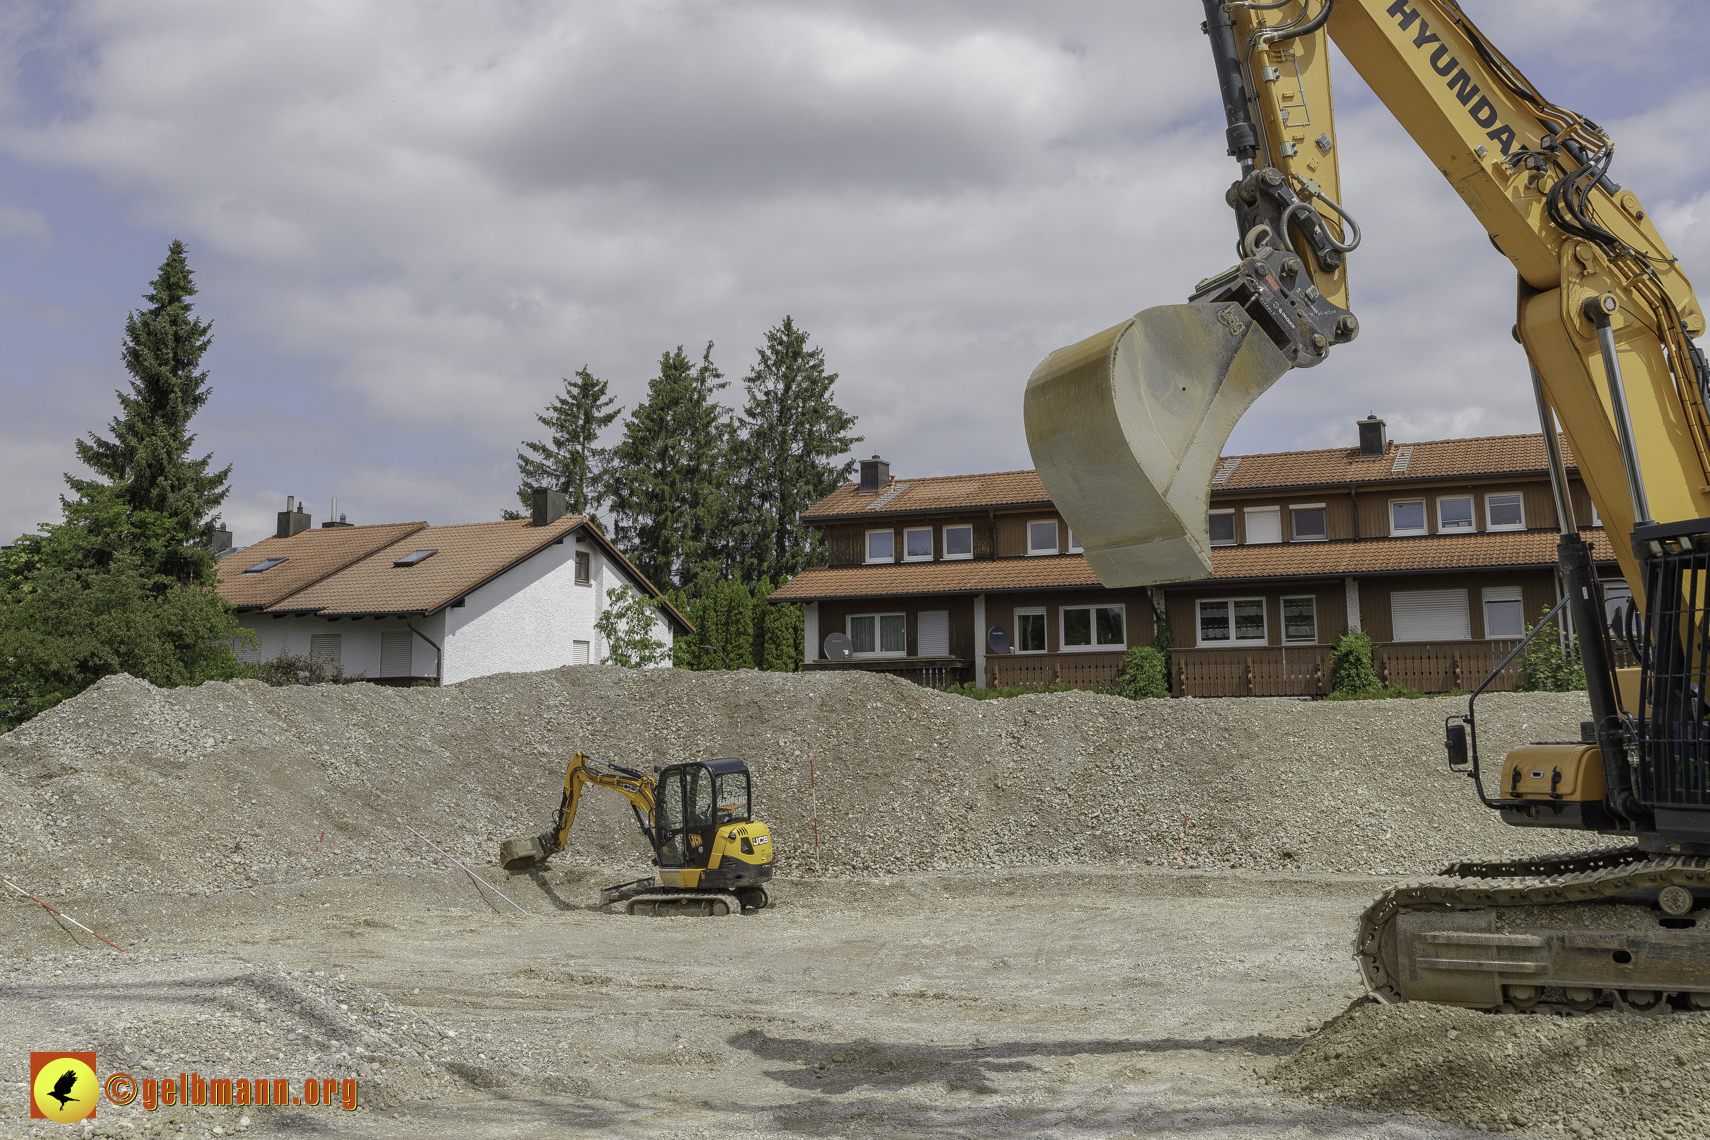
409, 221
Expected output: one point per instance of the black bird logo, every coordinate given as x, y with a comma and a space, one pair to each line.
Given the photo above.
63, 1086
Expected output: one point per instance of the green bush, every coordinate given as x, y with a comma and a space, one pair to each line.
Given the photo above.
1546, 667
1351, 669
974, 692
1145, 673
290, 669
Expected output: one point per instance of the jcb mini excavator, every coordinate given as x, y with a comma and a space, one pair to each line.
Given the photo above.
1127, 426
714, 857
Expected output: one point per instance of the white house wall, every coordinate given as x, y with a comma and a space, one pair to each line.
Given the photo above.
526, 620
359, 640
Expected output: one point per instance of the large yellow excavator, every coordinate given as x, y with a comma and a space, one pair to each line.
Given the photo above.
714, 857
1126, 428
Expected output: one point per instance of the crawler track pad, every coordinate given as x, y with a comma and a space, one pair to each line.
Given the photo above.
1127, 426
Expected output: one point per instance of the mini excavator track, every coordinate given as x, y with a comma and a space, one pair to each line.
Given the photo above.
668, 903
1559, 934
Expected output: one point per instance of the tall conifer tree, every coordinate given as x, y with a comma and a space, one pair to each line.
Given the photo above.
147, 462
572, 460
672, 471
794, 438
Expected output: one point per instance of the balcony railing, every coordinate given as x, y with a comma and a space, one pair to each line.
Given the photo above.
1036, 670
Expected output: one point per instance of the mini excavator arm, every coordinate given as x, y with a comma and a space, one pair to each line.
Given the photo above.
583, 770
1126, 427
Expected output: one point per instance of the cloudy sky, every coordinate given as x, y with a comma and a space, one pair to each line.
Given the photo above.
409, 221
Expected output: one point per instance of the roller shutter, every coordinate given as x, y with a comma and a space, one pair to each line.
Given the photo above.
395, 653
935, 633
1430, 615
326, 647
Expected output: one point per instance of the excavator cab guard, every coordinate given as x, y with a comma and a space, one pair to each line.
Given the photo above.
695, 800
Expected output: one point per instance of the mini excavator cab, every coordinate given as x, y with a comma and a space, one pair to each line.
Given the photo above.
694, 801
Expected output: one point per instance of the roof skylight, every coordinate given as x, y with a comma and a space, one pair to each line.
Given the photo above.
265, 565
415, 557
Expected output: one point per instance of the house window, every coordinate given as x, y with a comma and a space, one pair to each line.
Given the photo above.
1030, 631
932, 632
326, 647
579, 652
1504, 512
415, 558
1406, 516
1264, 525
265, 565
917, 544
1300, 620
1454, 514
881, 546
1093, 627
958, 542
1042, 537
1222, 528
397, 653
879, 635
1595, 521
1074, 543
1504, 612
1430, 615
1307, 521
583, 563
1229, 621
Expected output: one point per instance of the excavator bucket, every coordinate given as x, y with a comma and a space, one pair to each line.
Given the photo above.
521, 852
1127, 426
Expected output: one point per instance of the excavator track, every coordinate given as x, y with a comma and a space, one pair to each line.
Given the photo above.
667, 903
1559, 934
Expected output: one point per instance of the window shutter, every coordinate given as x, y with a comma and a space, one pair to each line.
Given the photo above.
1264, 524
325, 647
578, 653
396, 652
1430, 615
935, 633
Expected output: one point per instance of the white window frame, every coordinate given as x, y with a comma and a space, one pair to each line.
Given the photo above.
1484, 601
1247, 514
1293, 537
1521, 525
868, 546
1595, 521
1472, 514
1424, 518
1230, 511
1031, 611
1056, 538
1282, 615
948, 557
927, 531
1198, 629
878, 633
1063, 645
1074, 543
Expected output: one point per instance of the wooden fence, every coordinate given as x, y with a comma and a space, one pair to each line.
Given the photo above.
1285, 671
1036, 670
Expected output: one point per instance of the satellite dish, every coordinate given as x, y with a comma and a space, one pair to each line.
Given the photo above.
998, 640
838, 647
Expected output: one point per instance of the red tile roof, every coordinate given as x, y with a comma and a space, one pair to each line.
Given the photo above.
309, 557
1048, 572
939, 493
1396, 555
1433, 459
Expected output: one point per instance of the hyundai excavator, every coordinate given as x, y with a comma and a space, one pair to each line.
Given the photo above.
714, 857
1127, 426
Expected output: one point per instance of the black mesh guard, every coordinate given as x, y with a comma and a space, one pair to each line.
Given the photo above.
1674, 761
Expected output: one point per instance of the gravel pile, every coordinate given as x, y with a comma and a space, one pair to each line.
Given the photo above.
227, 786
1606, 1074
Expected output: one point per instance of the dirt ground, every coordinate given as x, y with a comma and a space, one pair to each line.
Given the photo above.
1036, 1003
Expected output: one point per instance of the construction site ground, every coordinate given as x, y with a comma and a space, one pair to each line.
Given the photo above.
969, 953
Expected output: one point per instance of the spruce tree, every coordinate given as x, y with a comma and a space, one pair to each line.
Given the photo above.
669, 492
572, 460
794, 438
148, 459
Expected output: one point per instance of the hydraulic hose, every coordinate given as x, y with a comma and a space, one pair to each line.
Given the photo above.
1265, 39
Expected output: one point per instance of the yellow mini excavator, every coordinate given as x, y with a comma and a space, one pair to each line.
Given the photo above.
1126, 428
714, 857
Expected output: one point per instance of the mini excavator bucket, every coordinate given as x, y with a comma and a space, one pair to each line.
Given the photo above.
523, 852
1127, 426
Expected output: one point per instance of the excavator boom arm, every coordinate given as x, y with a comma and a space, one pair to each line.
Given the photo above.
583, 771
